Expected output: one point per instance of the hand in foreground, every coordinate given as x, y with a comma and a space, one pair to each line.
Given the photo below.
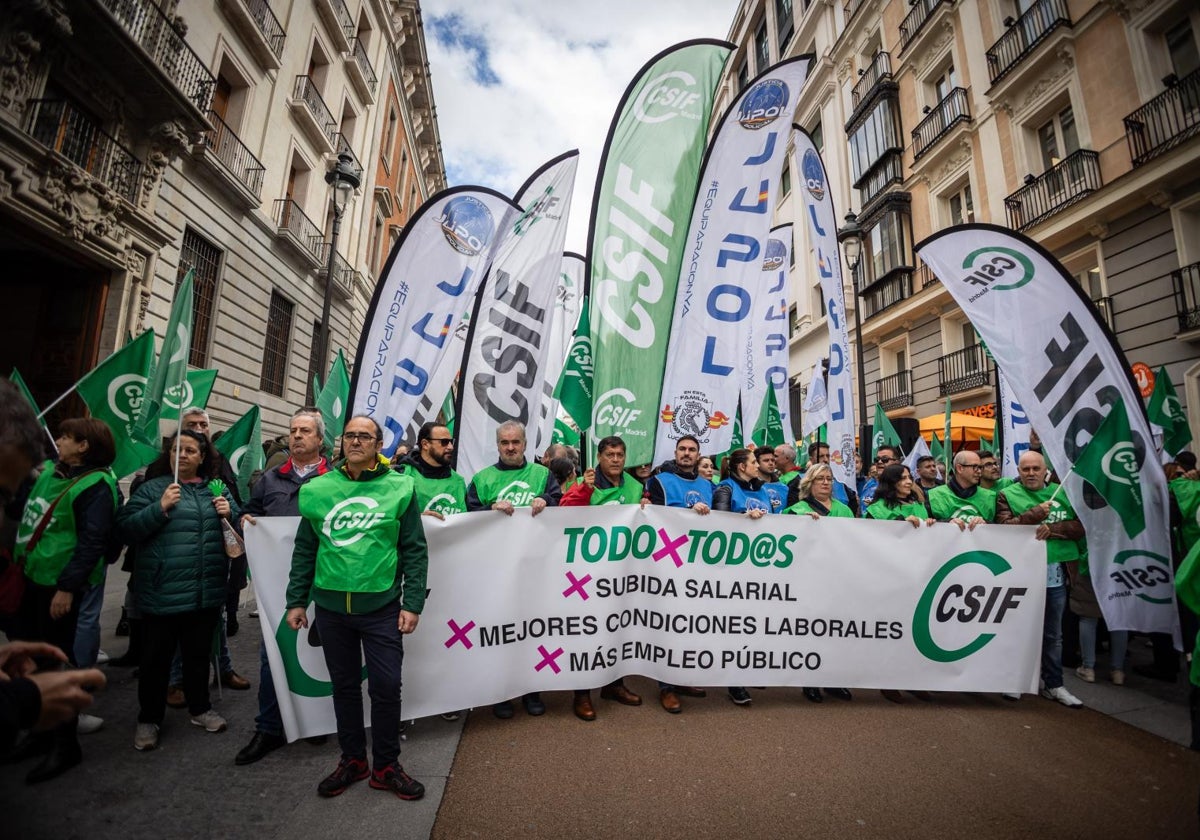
65, 694
701, 508
16, 659
222, 506
504, 506
408, 621
170, 497
297, 617
755, 513
537, 505
435, 514
60, 604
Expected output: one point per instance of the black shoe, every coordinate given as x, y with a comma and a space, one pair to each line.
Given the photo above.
503, 710
349, 771
317, 740
64, 755
840, 693
123, 624
813, 694
261, 744
1150, 672
231, 627
739, 695
533, 704
394, 778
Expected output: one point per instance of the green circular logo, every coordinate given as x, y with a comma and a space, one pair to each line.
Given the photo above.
922, 633
299, 680
994, 264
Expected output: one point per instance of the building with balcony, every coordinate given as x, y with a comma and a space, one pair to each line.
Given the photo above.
143, 139
1075, 122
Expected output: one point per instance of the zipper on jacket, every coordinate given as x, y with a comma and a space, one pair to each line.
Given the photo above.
348, 610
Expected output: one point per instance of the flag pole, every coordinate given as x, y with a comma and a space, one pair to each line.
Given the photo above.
1061, 485
65, 394
179, 418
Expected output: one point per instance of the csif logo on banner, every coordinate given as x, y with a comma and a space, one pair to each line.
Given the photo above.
350, 520
125, 395
668, 96
301, 658
171, 396
950, 619
1144, 575
615, 410
996, 269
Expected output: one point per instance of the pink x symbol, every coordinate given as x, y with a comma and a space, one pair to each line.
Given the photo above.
577, 585
459, 634
670, 547
548, 659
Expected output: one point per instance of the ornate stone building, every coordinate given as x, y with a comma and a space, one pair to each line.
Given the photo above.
140, 140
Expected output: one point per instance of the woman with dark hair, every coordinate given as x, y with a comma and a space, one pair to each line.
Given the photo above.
179, 577
706, 469
741, 488
62, 541
896, 498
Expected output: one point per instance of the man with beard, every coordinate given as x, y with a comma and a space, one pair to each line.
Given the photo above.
440, 490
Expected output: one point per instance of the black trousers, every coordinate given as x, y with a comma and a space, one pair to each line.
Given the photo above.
34, 623
192, 633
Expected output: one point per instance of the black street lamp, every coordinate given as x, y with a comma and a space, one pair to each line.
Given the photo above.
344, 178
850, 237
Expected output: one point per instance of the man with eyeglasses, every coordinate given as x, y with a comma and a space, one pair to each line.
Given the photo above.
441, 491
884, 455
989, 473
361, 557
961, 500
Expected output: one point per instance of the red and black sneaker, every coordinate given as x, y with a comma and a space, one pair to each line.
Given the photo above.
349, 771
394, 778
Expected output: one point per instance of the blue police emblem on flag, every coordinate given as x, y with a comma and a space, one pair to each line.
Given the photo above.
773, 255
763, 104
814, 175
468, 224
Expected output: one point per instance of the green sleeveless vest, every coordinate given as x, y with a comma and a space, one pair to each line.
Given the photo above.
946, 506
1187, 494
1021, 500
443, 495
629, 493
53, 551
357, 524
880, 510
836, 509
517, 486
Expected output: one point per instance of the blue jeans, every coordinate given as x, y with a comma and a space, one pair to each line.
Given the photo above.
345, 640
1056, 602
1118, 643
87, 631
269, 721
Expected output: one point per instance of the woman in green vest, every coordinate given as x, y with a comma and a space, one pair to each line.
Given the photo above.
896, 498
62, 541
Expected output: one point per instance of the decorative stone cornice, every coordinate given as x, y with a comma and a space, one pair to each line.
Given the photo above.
85, 207
32, 26
167, 141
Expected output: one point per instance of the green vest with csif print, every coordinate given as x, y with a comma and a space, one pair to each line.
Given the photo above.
444, 495
53, 551
1021, 500
946, 506
520, 487
629, 493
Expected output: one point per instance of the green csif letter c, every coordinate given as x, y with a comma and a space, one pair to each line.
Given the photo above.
922, 638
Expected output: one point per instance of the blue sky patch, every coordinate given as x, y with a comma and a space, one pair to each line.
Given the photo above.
451, 32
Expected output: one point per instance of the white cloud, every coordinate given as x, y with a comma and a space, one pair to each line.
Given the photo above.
561, 66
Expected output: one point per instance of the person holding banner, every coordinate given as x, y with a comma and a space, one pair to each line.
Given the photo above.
178, 578
818, 453
441, 491
277, 493
367, 598
607, 486
1034, 501
961, 500
896, 498
510, 483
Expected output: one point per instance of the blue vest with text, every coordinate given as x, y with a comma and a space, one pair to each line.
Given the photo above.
685, 493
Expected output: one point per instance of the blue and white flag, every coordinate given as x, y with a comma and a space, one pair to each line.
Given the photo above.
1014, 428
766, 354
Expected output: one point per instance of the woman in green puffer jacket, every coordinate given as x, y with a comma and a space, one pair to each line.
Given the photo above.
179, 577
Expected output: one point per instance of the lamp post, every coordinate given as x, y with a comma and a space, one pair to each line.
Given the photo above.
344, 180
850, 237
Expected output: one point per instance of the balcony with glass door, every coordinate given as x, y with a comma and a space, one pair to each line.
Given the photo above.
964, 370
1062, 185
75, 137
1166, 121
259, 29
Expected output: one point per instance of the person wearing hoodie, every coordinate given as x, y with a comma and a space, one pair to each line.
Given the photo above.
961, 500
441, 491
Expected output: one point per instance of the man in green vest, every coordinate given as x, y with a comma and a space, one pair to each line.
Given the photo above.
785, 462
440, 490
961, 500
360, 555
506, 485
1033, 501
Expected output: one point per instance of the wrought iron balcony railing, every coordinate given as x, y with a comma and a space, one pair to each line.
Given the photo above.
896, 287
364, 65
344, 20
924, 276
1073, 179
245, 168
1165, 121
268, 25
879, 69
59, 126
879, 177
895, 391
1024, 34
343, 272
306, 89
952, 110
341, 145
1105, 305
291, 219
963, 370
157, 35
915, 20
1186, 281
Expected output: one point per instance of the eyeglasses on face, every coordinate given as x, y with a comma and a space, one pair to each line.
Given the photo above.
884, 460
442, 441
359, 437
971, 466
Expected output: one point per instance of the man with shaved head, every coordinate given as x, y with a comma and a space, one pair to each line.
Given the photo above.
961, 500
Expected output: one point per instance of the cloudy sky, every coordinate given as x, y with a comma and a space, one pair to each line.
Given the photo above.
517, 82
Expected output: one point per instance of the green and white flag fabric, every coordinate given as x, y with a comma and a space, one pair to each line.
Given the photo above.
171, 369
448, 411
242, 447
770, 424
638, 236
1166, 412
114, 392
333, 399
883, 433
1109, 463
936, 449
16, 379
564, 434
195, 393
574, 390
567, 301
1067, 372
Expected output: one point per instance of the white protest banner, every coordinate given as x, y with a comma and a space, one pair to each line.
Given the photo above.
505, 367
1066, 370
766, 354
723, 265
1014, 428
430, 277
576, 597
567, 301
822, 231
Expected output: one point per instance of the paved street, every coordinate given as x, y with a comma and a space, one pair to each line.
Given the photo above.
967, 765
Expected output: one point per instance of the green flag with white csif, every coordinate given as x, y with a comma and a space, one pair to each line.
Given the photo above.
1109, 463
333, 399
936, 449
195, 393
574, 389
114, 391
564, 434
883, 433
1166, 412
171, 370
770, 424
242, 447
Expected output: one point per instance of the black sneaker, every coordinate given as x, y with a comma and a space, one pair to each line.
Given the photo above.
739, 695
394, 778
533, 704
349, 771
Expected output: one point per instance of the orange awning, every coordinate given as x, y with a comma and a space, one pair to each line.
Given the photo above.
964, 428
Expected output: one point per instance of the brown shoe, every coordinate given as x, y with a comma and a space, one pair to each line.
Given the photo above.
175, 698
670, 701
231, 679
689, 691
583, 706
621, 694
890, 694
